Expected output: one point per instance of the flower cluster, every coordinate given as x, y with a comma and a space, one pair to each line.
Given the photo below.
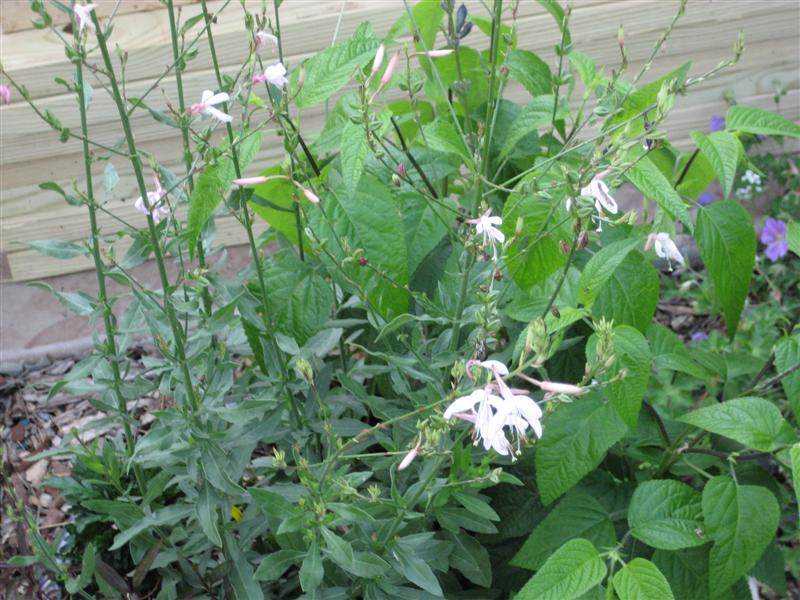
511, 408
152, 204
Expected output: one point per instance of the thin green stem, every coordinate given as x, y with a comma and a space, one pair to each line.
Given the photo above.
136, 163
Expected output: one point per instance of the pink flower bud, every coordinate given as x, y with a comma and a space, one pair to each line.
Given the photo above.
387, 74
312, 197
438, 53
651, 239
251, 180
5, 94
376, 64
560, 388
408, 458
401, 170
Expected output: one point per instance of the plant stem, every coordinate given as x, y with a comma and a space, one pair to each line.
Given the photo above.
563, 277
99, 267
136, 163
284, 374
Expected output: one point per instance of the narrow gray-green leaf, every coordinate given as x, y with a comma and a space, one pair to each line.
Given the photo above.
59, 248
207, 514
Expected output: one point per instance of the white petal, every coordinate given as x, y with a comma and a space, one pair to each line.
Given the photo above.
464, 403
496, 366
495, 220
207, 95
497, 235
218, 114
215, 99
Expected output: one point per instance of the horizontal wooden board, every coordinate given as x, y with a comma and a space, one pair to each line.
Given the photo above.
29, 152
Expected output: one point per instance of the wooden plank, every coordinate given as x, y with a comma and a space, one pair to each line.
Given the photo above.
16, 15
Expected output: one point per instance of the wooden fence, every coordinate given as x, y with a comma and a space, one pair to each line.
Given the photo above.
30, 152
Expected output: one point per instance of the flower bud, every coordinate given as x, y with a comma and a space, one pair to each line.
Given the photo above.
311, 196
565, 249
583, 240
390, 68
376, 64
401, 169
305, 369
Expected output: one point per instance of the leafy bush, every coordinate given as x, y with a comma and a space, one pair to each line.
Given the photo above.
444, 376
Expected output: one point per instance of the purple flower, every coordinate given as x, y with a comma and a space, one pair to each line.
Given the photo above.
705, 198
699, 336
716, 123
773, 235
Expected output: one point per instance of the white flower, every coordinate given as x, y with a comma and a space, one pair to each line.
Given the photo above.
274, 74
263, 38
598, 190
486, 224
464, 408
751, 178
153, 205
517, 411
83, 16
665, 248
495, 366
206, 106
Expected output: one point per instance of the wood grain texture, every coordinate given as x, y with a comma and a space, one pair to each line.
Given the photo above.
30, 152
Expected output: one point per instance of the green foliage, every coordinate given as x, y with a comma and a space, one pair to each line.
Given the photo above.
572, 570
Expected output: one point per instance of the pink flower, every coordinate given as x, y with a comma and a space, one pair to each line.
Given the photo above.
5, 94
409, 458
387, 74
206, 106
485, 225
263, 38
557, 388
153, 206
83, 17
274, 74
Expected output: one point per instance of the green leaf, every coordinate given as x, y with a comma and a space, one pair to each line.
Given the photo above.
647, 177
110, 178
578, 435
727, 244
759, 121
300, 300
471, 558
166, 516
353, 153
742, 520
441, 136
722, 149
426, 223
312, 570
80, 303
371, 220
536, 255
454, 519
753, 422
52, 186
572, 570
340, 550
531, 71
367, 565
794, 455
241, 574
666, 514
207, 513
630, 296
214, 182
584, 65
633, 355
555, 9
641, 580
275, 564
74, 585
686, 571
59, 248
601, 267
578, 515
535, 115
416, 570
787, 354
793, 236
328, 71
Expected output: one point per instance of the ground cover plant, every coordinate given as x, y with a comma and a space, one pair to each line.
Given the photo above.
450, 369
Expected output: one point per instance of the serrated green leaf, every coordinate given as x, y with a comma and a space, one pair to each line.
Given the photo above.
533, 116
753, 422
666, 514
633, 355
686, 571
630, 295
641, 580
727, 244
572, 570
578, 515
787, 354
353, 154
793, 236
441, 136
722, 149
328, 71
578, 436
742, 520
584, 65
759, 121
531, 71
649, 180
601, 267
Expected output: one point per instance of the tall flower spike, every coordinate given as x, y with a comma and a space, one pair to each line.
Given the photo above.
207, 103
84, 17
